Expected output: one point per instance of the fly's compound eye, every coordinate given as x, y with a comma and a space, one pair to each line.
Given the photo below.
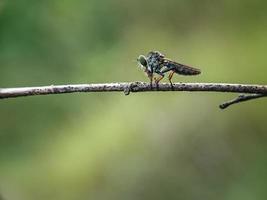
142, 60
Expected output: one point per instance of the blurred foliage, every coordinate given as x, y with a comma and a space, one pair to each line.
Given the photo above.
145, 146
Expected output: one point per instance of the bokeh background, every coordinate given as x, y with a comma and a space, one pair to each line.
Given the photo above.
144, 146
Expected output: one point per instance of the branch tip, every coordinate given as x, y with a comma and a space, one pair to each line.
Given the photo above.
241, 98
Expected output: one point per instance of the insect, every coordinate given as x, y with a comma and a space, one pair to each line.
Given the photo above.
155, 62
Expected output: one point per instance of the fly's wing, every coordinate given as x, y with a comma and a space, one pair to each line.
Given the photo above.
180, 68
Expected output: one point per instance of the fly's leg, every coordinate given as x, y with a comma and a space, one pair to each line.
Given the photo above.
157, 80
150, 76
172, 71
170, 78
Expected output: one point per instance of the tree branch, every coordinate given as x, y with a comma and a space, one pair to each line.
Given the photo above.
257, 91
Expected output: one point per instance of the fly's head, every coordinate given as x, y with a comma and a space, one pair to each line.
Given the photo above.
142, 62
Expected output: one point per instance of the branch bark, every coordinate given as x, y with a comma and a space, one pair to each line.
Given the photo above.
257, 90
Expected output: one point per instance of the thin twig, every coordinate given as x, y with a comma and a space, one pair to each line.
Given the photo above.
257, 91
241, 98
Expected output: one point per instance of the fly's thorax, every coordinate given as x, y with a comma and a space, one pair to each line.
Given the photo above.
154, 60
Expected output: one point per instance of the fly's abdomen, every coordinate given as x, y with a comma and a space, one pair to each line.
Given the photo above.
182, 69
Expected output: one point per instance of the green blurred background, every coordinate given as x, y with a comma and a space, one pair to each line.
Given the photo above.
143, 146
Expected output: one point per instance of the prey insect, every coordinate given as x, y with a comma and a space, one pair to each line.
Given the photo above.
155, 62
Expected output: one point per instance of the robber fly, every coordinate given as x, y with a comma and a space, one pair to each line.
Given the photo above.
155, 62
